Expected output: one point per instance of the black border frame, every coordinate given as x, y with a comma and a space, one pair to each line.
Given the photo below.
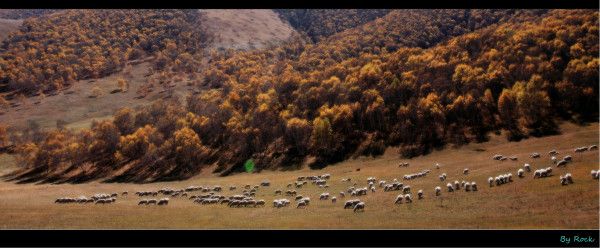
293, 4
296, 238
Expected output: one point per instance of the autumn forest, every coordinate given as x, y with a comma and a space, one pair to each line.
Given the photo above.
346, 84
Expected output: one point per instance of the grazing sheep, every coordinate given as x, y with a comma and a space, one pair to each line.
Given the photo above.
467, 187
466, 171
408, 198
152, 201
498, 180
509, 176
527, 167
298, 197
406, 189
520, 173
568, 158
420, 194
581, 149
359, 206
260, 203
342, 194
450, 188
503, 158
563, 181
163, 201
399, 199
491, 181
324, 196
438, 191
534, 155
437, 166
595, 174
301, 204
593, 147
553, 152
351, 203
278, 192
561, 163
473, 186
403, 165
442, 177
542, 172
456, 185
513, 158
569, 178
553, 158
265, 183
497, 157
124, 193
333, 199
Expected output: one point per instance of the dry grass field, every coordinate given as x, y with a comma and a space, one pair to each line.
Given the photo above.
77, 109
7, 26
246, 29
523, 204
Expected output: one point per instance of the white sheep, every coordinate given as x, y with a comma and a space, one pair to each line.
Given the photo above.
420, 194
351, 203
466, 171
563, 181
359, 206
520, 173
163, 201
491, 181
333, 199
399, 199
408, 198
595, 174
438, 190
450, 188
301, 204
569, 178
473, 186
527, 167
406, 189
467, 187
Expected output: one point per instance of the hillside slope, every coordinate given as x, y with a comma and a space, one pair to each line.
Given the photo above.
526, 203
245, 29
8, 26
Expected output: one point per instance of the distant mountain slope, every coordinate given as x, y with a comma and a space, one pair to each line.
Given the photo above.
245, 29
24, 13
320, 23
52, 51
8, 26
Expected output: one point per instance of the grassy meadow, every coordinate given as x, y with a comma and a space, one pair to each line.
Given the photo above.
523, 204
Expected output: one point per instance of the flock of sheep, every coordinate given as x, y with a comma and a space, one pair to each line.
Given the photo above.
210, 195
